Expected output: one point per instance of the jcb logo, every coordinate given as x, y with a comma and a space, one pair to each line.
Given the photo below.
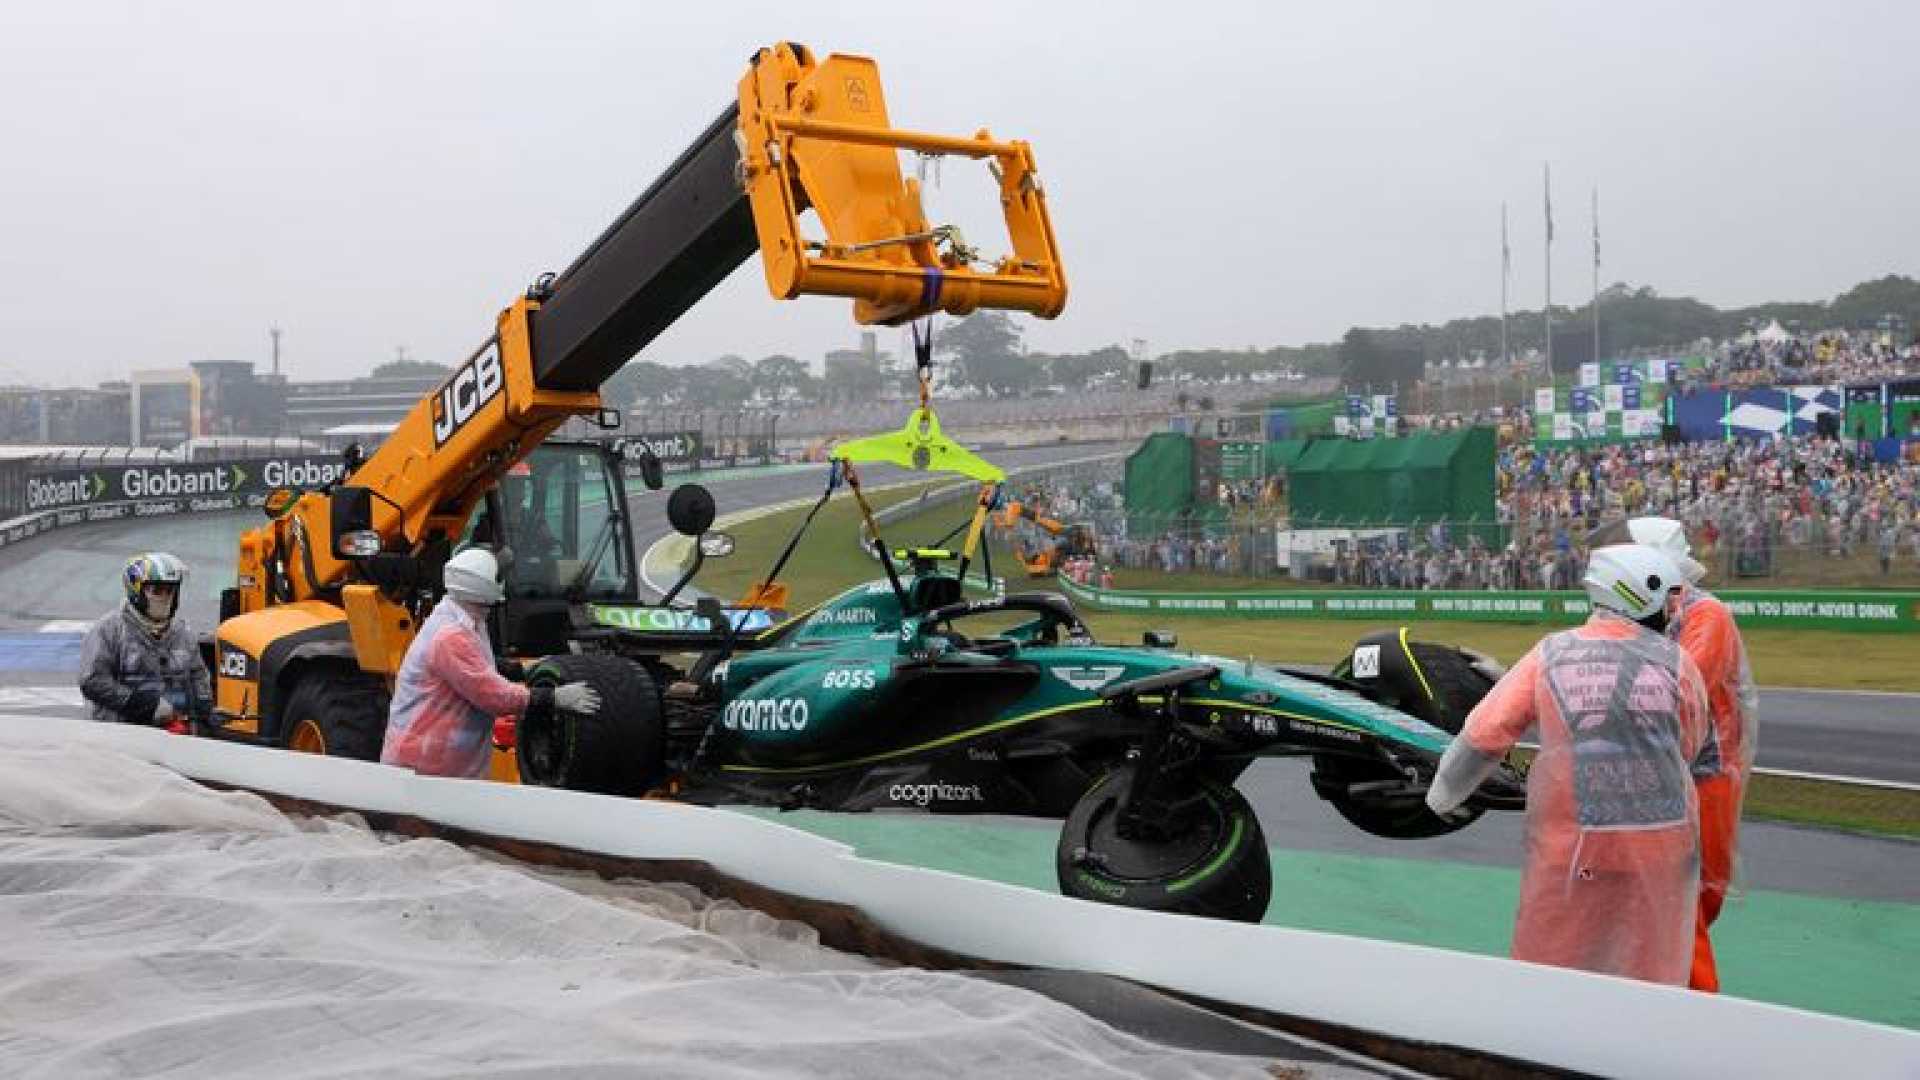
234, 663
475, 384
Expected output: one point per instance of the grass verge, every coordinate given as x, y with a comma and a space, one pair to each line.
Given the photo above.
1888, 811
828, 562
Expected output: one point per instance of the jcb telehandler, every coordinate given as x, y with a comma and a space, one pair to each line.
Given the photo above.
329, 591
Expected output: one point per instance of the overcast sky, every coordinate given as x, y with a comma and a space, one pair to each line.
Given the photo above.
174, 179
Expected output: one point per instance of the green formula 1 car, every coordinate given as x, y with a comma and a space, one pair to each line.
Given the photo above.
910, 693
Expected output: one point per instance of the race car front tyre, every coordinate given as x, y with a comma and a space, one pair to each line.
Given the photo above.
1218, 868
619, 750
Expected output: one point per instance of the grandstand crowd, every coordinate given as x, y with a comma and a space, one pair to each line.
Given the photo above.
1745, 504
1833, 356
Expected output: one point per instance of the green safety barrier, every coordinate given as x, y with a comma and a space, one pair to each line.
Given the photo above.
1805, 609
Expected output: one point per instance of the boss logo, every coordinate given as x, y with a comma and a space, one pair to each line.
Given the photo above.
477, 382
848, 679
235, 663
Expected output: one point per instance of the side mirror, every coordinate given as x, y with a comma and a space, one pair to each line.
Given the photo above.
353, 457
716, 545
642, 457
652, 473
608, 420
1159, 639
350, 523
690, 510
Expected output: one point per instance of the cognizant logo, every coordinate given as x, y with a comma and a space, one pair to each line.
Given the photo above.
922, 794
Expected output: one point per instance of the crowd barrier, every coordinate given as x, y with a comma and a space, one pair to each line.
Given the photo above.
1802, 609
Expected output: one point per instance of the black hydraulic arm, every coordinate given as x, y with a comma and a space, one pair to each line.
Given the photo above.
685, 233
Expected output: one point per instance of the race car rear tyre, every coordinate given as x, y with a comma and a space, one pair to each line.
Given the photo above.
1441, 686
1457, 686
620, 750
336, 713
1218, 869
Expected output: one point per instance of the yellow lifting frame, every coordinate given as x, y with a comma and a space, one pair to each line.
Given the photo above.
817, 136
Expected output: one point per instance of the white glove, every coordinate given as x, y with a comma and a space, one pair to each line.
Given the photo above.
576, 697
163, 711
1463, 768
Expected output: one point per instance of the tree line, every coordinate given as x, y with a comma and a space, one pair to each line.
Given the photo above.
1632, 319
984, 353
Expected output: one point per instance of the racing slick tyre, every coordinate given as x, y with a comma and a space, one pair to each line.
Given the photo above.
1457, 685
1218, 869
335, 712
1447, 688
620, 750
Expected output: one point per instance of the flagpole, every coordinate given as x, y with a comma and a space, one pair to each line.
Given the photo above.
1596, 273
1547, 310
1506, 269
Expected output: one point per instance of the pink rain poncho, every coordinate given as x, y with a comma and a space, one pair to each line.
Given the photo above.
447, 696
1612, 870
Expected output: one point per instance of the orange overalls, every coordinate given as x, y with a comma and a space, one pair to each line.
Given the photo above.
1611, 881
1705, 630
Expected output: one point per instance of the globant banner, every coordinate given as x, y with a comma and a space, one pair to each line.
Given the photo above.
83, 496
185, 482
671, 447
1805, 609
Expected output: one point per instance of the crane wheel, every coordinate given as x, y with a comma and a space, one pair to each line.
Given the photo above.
335, 713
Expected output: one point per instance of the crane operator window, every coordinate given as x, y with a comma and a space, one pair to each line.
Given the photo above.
558, 512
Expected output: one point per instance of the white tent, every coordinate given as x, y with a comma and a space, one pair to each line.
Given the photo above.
1772, 332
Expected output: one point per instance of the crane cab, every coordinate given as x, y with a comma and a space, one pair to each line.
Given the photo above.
562, 514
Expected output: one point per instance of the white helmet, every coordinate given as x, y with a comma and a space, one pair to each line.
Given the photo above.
1658, 532
473, 575
1671, 537
1631, 579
